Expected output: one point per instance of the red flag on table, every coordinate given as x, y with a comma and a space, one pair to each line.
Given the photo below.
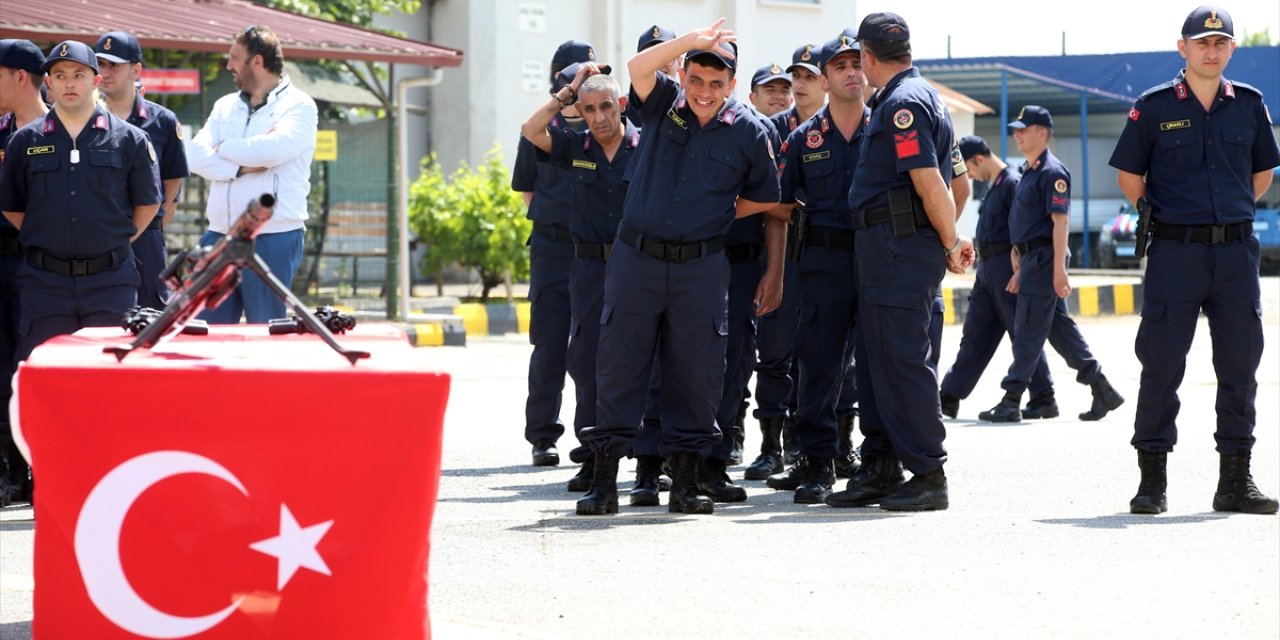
232, 486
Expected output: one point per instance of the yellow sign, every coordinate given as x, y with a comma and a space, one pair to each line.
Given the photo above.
326, 145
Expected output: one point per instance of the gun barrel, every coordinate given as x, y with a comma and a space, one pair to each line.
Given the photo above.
250, 223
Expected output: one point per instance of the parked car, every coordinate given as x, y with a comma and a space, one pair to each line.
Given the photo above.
1117, 240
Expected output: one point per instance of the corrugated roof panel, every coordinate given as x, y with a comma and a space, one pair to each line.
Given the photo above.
209, 25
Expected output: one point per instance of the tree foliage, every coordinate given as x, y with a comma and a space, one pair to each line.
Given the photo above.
1256, 39
472, 219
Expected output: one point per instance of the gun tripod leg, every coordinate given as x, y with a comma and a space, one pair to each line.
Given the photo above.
259, 268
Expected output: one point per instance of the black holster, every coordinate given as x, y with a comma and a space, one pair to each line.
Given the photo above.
902, 213
798, 232
1144, 227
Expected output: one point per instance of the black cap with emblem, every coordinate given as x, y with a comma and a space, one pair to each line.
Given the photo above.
1208, 21
70, 51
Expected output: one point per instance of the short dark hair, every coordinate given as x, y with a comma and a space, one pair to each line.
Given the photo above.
711, 62
262, 41
889, 51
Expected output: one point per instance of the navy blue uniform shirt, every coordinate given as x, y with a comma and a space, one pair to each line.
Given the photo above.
161, 126
8, 126
909, 129
786, 122
84, 209
817, 159
1199, 166
750, 230
1044, 190
551, 186
686, 178
993, 215
599, 189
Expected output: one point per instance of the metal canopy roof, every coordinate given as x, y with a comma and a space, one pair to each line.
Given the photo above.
209, 25
982, 82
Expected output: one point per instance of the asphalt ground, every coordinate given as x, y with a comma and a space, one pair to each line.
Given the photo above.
1038, 541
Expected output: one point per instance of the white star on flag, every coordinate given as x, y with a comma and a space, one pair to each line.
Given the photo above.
295, 547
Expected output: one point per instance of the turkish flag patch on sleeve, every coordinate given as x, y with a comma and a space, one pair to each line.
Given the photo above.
907, 144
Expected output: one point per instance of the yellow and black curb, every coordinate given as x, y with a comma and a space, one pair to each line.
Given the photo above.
1084, 301
450, 326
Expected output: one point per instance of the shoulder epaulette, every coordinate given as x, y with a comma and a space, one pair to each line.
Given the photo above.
1157, 89
1247, 87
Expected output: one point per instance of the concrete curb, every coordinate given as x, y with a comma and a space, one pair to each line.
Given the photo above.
1085, 301
493, 319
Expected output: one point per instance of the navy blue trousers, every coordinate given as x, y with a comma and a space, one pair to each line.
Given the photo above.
586, 299
550, 317
776, 343
829, 290
1182, 280
898, 280
9, 314
680, 313
739, 354
150, 251
988, 320
53, 304
1041, 315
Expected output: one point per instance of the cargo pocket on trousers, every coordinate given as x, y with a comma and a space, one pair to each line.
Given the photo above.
1152, 344
718, 344
903, 317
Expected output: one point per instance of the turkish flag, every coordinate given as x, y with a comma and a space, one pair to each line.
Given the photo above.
236, 485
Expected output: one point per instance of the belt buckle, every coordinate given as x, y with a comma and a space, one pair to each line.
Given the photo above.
1217, 235
79, 268
673, 253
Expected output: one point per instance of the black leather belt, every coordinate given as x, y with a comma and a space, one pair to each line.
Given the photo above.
880, 215
994, 249
1027, 247
552, 231
677, 252
77, 267
1202, 234
829, 238
157, 223
742, 253
9, 246
592, 251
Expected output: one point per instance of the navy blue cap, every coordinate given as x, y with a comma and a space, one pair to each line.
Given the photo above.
717, 53
71, 51
838, 45
1032, 114
571, 51
566, 75
769, 73
21, 54
1208, 21
807, 56
971, 146
885, 27
655, 35
119, 47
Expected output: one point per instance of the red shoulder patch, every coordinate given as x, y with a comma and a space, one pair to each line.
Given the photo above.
907, 144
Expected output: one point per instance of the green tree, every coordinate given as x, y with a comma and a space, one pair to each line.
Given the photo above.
473, 219
1259, 39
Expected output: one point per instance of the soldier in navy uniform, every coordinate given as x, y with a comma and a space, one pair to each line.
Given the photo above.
596, 159
820, 157
548, 192
1038, 220
80, 185
120, 63
704, 160
904, 240
776, 371
991, 307
1206, 148
20, 104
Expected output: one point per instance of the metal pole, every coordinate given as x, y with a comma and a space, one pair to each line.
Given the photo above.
1084, 167
402, 113
1004, 115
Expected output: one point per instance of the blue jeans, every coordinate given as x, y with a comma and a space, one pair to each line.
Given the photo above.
283, 254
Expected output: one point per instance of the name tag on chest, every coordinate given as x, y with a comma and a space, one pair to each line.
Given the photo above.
584, 164
1175, 124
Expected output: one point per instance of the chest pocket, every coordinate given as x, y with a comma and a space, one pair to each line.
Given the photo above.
817, 176
1179, 151
726, 169
107, 173
1238, 148
42, 169
673, 137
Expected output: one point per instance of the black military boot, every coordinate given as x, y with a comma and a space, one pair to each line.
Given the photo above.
1151, 487
848, 462
1236, 490
1105, 400
582, 481
923, 492
645, 491
603, 496
684, 496
769, 461
819, 475
1006, 411
1043, 407
788, 479
950, 404
877, 478
738, 432
790, 445
714, 482
545, 454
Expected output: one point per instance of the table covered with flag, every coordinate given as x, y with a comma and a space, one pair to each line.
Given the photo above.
235, 485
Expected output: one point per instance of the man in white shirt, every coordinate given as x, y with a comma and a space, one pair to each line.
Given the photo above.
258, 140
